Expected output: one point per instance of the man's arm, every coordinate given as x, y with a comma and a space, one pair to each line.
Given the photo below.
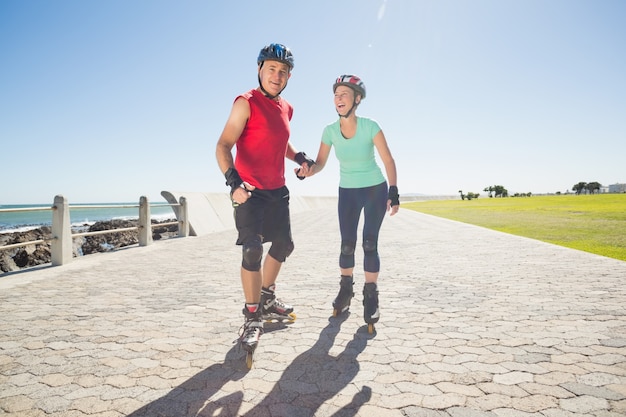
235, 124
223, 150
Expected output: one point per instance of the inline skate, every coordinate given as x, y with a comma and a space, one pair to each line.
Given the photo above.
371, 313
273, 308
343, 299
250, 333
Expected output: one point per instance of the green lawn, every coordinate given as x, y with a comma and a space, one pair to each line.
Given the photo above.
592, 223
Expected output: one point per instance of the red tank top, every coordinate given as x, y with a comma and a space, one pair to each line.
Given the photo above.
261, 148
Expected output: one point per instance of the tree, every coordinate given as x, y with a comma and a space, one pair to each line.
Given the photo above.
497, 190
593, 187
500, 191
579, 188
469, 195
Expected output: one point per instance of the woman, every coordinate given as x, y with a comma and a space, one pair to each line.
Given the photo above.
362, 188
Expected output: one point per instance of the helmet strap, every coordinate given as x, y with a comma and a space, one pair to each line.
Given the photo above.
354, 105
263, 90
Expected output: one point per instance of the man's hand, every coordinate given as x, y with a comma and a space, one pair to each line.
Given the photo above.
241, 194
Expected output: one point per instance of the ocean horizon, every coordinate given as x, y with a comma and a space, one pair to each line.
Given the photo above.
20, 221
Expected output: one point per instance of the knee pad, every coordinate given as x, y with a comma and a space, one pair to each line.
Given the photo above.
371, 261
346, 259
347, 247
281, 250
252, 252
370, 246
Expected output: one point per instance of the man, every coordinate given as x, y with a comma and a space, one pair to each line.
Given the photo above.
258, 126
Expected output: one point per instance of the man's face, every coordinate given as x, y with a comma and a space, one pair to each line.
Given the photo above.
274, 76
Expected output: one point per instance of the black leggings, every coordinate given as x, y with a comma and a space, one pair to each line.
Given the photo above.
373, 202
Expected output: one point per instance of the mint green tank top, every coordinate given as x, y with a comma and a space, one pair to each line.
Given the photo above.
357, 163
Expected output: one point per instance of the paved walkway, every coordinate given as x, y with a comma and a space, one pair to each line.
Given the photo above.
474, 323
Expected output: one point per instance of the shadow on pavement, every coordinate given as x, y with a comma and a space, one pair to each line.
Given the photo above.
315, 376
189, 398
307, 383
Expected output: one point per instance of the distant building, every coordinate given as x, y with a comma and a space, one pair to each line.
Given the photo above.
617, 188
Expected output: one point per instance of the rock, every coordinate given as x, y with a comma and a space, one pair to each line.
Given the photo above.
110, 241
21, 258
7, 264
33, 255
25, 256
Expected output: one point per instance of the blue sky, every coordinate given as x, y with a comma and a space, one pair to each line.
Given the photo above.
106, 101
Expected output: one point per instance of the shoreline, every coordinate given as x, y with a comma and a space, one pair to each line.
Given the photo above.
17, 259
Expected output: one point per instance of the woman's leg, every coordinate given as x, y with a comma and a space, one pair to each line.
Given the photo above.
374, 213
349, 210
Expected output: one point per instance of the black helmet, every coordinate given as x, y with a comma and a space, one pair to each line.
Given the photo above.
351, 81
276, 52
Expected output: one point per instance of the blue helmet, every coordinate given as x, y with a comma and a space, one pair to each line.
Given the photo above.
276, 52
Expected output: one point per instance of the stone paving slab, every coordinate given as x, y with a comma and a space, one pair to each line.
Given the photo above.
475, 323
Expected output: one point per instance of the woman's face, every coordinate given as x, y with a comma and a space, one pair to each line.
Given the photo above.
344, 99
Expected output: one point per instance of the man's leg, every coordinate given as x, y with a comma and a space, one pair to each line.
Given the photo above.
276, 229
251, 279
251, 284
271, 268
279, 251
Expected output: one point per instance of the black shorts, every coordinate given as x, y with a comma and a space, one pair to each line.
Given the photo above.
265, 214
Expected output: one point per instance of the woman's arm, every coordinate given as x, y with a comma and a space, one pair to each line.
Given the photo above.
320, 161
393, 203
385, 155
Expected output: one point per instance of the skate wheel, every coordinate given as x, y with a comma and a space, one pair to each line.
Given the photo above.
338, 311
370, 328
289, 318
249, 359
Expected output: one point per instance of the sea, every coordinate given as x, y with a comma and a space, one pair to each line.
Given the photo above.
80, 215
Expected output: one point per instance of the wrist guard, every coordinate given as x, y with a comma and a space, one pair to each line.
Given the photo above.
233, 180
394, 196
301, 158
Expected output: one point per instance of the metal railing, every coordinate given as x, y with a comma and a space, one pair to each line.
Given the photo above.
62, 236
